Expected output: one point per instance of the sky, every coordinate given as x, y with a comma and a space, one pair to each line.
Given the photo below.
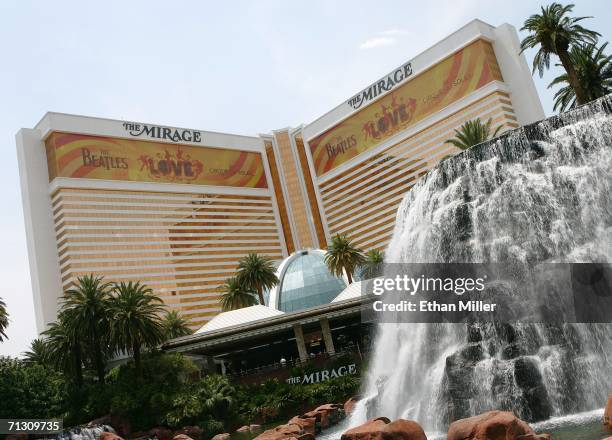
243, 67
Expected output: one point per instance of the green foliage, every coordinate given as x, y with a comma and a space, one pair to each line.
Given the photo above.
210, 398
554, 31
236, 295
86, 311
4, 320
257, 273
145, 403
473, 133
63, 348
175, 325
274, 400
343, 257
594, 70
168, 395
372, 267
37, 354
30, 390
211, 426
136, 322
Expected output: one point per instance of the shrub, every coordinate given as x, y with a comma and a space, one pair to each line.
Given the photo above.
144, 402
30, 390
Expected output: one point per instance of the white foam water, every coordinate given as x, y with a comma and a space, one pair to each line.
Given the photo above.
542, 193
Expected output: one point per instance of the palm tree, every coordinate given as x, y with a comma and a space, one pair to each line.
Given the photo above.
594, 70
87, 307
236, 295
175, 325
554, 32
257, 273
473, 133
136, 321
373, 262
342, 257
37, 354
63, 348
3, 320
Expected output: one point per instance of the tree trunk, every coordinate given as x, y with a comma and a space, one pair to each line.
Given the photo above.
98, 356
137, 363
261, 297
581, 96
349, 276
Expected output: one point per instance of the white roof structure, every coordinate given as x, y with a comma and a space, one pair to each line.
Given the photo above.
352, 291
239, 316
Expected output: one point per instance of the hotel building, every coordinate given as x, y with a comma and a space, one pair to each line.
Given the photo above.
177, 208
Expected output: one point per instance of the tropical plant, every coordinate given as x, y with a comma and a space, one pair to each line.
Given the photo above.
175, 325
165, 377
4, 321
136, 321
37, 354
236, 295
343, 257
553, 31
594, 70
373, 263
472, 133
257, 273
212, 396
63, 348
87, 312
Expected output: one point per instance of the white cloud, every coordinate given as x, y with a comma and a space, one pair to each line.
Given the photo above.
377, 42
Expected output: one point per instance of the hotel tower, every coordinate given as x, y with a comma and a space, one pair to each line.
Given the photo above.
178, 208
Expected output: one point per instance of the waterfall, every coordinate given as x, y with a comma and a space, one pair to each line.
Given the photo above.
82, 433
540, 193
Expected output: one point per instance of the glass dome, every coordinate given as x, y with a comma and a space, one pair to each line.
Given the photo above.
306, 282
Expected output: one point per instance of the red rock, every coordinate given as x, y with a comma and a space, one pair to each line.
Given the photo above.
320, 416
243, 429
16, 437
329, 407
331, 413
193, 432
370, 430
308, 424
282, 432
381, 429
349, 405
492, 425
224, 436
607, 419
109, 436
161, 433
181, 437
401, 429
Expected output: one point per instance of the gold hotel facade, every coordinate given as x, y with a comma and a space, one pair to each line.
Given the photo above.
177, 208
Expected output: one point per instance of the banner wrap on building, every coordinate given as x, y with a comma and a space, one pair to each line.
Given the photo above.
427, 93
97, 157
